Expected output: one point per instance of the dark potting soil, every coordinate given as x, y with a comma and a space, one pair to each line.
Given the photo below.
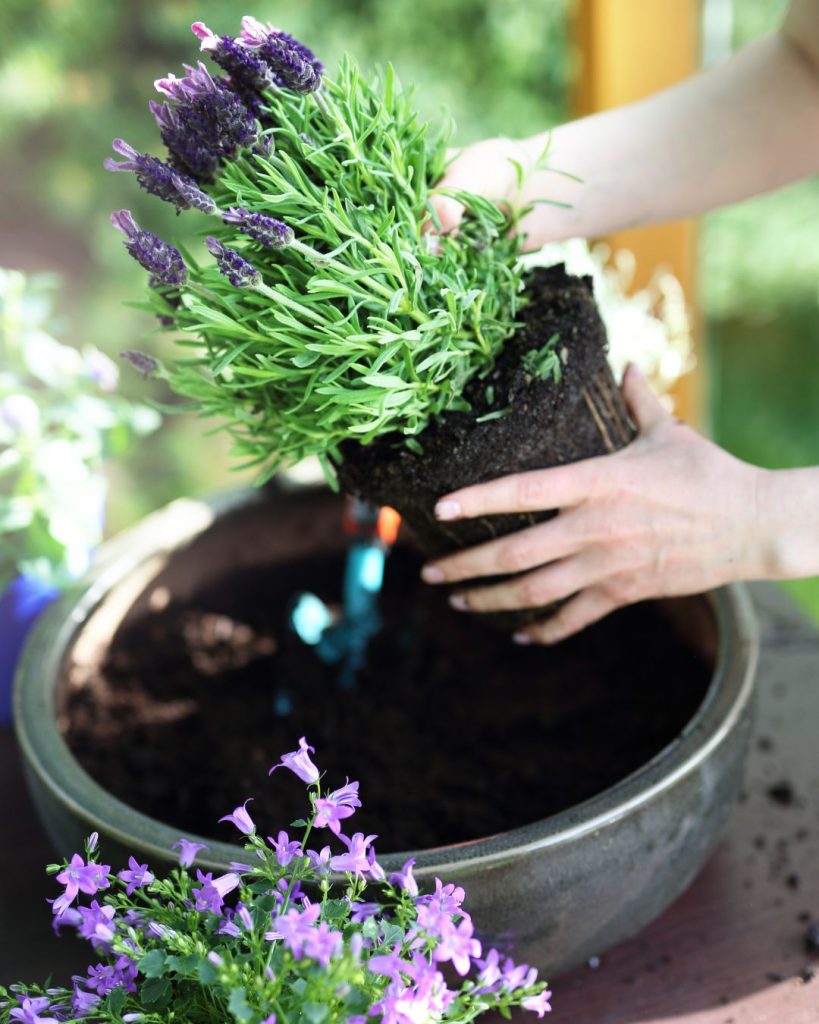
453, 732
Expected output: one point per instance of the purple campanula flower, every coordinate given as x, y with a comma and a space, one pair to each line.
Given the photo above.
77, 876
490, 972
284, 848
374, 869
272, 233
294, 927
228, 926
30, 1009
355, 859
214, 958
405, 879
333, 808
102, 978
361, 911
146, 365
159, 178
320, 862
298, 761
322, 944
204, 123
515, 976
187, 851
97, 922
135, 876
212, 891
241, 819
83, 1002
390, 965
538, 1004
240, 868
239, 271
458, 945
271, 1019
161, 260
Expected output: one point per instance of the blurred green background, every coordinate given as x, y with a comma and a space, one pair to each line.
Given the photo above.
74, 74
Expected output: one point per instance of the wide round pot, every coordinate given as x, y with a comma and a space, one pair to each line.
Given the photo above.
556, 891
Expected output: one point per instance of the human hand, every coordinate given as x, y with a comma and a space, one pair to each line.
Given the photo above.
670, 514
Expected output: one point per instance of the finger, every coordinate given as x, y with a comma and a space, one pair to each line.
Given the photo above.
581, 611
524, 549
534, 491
542, 586
448, 211
641, 400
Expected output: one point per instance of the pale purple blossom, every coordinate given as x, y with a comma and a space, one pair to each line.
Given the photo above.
30, 1009
293, 928
355, 859
361, 911
83, 1002
103, 371
322, 943
210, 895
77, 876
97, 922
187, 851
405, 879
285, 848
332, 809
538, 1004
298, 761
320, 862
456, 943
241, 819
136, 876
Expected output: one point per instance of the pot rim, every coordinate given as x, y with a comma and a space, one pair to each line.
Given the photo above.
48, 756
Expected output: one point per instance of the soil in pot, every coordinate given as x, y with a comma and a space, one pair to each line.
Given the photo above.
453, 732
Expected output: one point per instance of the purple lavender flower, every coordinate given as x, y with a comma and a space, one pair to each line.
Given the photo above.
458, 945
77, 876
241, 819
204, 124
333, 808
538, 1004
97, 922
158, 178
212, 891
187, 850
240, 272
161, 260
272, 233
284, 848
30, 1009
293, 65
298, 761
248, 74
356, 859
146, 365
135, 876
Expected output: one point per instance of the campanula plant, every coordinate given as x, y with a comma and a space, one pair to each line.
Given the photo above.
320, 308
302, 930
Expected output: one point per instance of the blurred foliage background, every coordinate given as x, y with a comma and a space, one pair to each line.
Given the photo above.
74, 74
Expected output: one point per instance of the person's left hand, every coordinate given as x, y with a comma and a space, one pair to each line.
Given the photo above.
670, 514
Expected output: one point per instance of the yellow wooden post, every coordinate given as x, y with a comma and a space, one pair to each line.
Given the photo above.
628, 49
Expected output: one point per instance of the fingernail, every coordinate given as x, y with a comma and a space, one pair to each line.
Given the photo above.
447, 509
522, 638
432, 574
459, 602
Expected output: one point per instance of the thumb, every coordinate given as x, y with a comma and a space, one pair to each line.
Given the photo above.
448, 211
641, 401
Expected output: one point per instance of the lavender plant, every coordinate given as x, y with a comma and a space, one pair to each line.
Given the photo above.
291, 934
321, 310
59, 417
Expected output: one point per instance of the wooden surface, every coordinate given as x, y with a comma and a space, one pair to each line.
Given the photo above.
626, 50
730, 951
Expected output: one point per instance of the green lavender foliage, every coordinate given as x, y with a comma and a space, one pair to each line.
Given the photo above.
364, 325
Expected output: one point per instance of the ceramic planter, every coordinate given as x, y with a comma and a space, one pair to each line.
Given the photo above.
20, 605
557, 891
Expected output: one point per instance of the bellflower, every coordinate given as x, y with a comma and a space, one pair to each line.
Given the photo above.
254, 945
241, 819
336, 806
161, 260
240, 272
80, 877
298, 761
187, 851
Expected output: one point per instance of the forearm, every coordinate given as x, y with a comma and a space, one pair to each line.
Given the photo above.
743, 127
788, 517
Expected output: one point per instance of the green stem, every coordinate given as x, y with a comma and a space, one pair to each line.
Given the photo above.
328, 108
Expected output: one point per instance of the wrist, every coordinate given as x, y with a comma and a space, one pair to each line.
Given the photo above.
787, 523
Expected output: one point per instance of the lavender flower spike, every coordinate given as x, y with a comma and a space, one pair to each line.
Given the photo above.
141, 361
272, 233
157, 178
160, 259
293, 65
248, 74
233, 265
